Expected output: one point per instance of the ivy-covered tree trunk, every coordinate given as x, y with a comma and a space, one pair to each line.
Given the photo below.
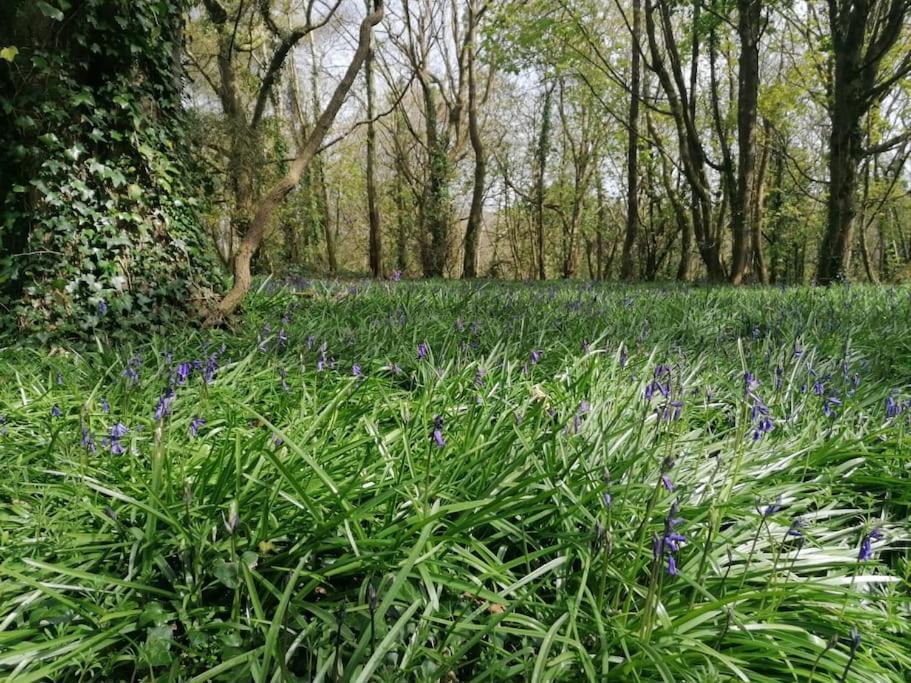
98, 209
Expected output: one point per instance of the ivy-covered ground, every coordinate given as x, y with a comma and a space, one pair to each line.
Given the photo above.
454, 482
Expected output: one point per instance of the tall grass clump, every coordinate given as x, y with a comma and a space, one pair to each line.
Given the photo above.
454, 482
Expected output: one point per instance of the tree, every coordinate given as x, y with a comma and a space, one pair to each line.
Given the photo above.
627, 265
375, 254
254, 233
863, 33
476, 212
744, 209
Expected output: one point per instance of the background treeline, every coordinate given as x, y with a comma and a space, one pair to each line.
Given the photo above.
726, 140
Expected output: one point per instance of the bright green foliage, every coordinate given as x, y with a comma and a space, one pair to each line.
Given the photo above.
96, 201
254, 549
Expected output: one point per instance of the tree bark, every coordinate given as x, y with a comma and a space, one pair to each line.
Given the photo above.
863, 32
743, 210
627, 263
476, 213
375, 256
541, 154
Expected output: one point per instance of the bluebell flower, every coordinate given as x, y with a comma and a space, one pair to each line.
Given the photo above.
423, 350
182, 374
131, 371
102, 308
165, 403
438, 432
356, 371
866, 544
195, 424
893, 409
105, 406
830, 405
56, 412
88, 441
536, 357
794, 530
666, 482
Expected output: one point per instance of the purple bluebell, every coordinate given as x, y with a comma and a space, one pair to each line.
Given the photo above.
102, 308
131, 371
794, 530
211, 368
750, 383
283, 374
396, 275
772, 508
282, 337
88, 441
195, 424
356, 371
105, 406
438, 432
165, 403
182, 373
423, 349
56, 412
830, 405
666, 482
536, 357
893, 408
866, 544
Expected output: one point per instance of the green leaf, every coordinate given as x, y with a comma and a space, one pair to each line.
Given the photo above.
227, 573
9, 53
49, 10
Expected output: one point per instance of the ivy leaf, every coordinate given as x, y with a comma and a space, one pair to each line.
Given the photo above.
227, 573
9, 53
49, 11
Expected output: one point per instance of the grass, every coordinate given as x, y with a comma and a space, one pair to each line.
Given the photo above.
315, 529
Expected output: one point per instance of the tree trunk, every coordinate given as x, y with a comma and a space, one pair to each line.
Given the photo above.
749, 16
627, 264
758, 201
541, 165
476, 213
277, 193
375, 256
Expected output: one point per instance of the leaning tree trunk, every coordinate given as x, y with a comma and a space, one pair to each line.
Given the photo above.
262, 218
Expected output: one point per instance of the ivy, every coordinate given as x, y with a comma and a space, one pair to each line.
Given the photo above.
99, 220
